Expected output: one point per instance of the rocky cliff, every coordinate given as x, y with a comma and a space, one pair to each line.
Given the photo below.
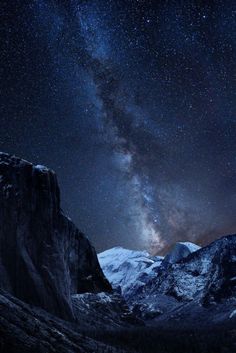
207, 274
180, 251
44, 258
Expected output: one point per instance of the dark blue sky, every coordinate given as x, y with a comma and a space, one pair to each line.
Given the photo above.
132, 103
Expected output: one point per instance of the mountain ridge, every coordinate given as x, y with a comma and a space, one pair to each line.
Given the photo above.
205, 277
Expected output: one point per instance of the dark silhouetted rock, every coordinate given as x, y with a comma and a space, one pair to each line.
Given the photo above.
179, 251
44, 259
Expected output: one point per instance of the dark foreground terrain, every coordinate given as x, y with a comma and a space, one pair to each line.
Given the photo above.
25, 329
153, 340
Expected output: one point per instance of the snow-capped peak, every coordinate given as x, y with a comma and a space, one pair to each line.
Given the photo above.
128, 269
131, 270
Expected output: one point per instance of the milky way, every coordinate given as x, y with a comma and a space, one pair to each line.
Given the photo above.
132, 103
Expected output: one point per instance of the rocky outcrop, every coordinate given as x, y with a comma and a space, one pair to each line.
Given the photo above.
186, 273
103, 311
44, 258
179, 251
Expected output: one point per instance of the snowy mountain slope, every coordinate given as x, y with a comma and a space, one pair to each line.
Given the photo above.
131, 270
188, 275
207, 274
128, 269
203, 282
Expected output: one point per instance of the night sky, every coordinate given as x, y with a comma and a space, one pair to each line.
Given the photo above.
132, 103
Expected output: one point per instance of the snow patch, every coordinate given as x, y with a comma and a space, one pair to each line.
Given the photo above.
42, 168
232, 314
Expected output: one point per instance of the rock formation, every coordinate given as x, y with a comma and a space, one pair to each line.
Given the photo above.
187, 282
44, 258
179, 251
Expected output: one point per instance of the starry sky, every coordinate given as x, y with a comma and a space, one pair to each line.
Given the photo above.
132, 103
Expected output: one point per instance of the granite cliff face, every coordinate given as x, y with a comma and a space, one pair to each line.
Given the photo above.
180, 251
44, 259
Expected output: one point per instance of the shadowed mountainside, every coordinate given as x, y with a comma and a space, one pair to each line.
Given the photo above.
44, 258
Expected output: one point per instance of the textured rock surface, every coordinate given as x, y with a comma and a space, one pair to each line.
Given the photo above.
131, 270
44, 259
202, 284
188, 280
25, 329
179, 251
208, 274
103, 311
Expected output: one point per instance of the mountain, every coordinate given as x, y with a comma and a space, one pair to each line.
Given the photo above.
198, 292
191, 283
179, 251
128, 270
44, 258
208, 274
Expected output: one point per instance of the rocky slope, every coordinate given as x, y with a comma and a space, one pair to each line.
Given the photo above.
26, 329
187, 282
208, 274
130, 270
179, 251
44, 258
